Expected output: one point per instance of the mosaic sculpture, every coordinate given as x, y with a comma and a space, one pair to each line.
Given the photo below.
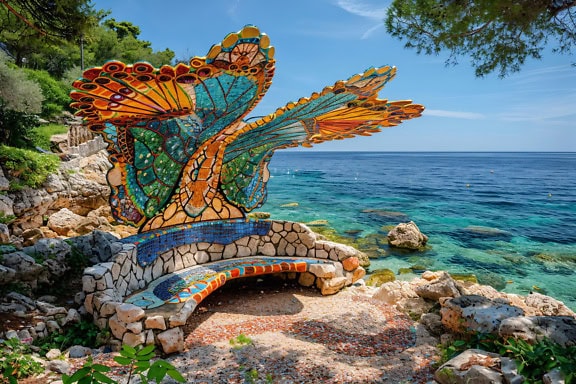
180, 147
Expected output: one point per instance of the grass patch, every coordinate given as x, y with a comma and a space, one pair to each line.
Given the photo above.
27, 168
43, 133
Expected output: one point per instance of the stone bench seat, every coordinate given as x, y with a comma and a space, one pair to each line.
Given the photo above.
197, 282
147, 291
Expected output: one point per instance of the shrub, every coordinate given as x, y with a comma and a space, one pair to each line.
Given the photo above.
532, 360
16, 362
20, 99
137, 360
55, 94
84, 333
27, 167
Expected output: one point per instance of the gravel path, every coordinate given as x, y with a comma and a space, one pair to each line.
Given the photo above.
290, 334
295, 335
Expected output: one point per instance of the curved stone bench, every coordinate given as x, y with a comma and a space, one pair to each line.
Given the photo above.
146, 292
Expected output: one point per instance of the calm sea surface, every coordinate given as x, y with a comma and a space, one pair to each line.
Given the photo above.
508, 218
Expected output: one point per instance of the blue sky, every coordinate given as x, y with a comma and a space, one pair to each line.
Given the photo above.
321, 41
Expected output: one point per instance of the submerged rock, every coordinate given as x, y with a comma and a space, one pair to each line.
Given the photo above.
259, 215
408, 236
380, 276
392, 215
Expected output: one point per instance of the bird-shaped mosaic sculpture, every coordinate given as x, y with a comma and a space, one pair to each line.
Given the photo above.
178, 141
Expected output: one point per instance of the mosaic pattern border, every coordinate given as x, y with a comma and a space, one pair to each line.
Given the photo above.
153, 243
197, 282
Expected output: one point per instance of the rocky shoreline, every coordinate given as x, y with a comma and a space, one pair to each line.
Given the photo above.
70, 217
442, 309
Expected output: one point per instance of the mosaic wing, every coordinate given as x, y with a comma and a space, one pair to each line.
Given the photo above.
344, 110
158, 120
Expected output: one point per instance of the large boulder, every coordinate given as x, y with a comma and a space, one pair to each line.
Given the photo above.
4, 183
472, 366
4, 234
64, 221
559, 329
25, 267
408, 236
98, 246
441, 285
475, 314
547, 305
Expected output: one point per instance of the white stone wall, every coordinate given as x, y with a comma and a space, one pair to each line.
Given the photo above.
107, 284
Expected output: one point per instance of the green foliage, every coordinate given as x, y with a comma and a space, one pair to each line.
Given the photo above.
533, 360
84, 333
17, 92
17, 287
55, 94
17, 128
20, 99
89, 373
16, 362
76, 260
32, 28
6, 219
29, 167
496, 35
119, 41
240, 341
485, 342
138, 362
43, 133
252, 375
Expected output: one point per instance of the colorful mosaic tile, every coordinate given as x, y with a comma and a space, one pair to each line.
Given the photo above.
197, 282
181, 149
153, 243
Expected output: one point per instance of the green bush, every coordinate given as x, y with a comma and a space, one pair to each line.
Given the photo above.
6, 219
55, 94
43, 133
27, 168
137, 360
532, 360
20, 99
84, 333
17, 128
16, 362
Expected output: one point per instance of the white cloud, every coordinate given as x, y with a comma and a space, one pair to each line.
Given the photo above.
369, 32
359, 8
544, 110
367, 11
454, 114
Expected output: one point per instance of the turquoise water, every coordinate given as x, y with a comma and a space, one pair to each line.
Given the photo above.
508, 218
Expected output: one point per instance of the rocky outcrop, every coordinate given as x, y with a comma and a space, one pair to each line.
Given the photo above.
475, 314
408, 236
479, 367
4, 183
559, 329
469, 308
79, 186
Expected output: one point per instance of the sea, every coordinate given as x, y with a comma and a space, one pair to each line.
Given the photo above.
508, 219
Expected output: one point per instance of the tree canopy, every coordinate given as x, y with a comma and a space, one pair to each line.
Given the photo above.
43, 41
49, 35
498, 35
